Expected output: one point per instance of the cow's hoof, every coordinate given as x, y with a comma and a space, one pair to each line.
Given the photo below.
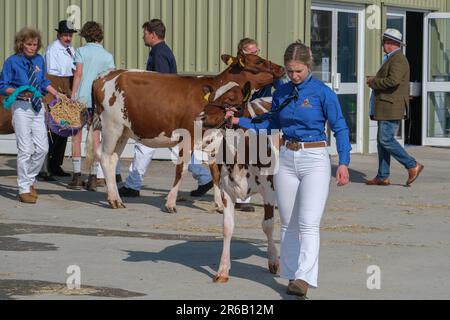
274, 268
171, 210
219, 209
220, 279
116, 204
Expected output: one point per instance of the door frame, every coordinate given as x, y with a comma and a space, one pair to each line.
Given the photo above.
399, 12
428, 86
361, 11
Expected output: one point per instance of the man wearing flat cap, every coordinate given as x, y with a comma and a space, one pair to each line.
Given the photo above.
389, 105
59, 59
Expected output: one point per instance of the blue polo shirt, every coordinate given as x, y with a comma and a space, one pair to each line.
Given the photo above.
161, 59
304, 118
15, 73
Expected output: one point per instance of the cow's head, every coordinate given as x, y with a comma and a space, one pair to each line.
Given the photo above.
229, 97
259, 71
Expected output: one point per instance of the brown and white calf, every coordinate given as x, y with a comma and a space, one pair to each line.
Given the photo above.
240, 178
149, 107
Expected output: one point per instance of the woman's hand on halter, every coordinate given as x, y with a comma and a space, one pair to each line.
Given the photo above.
230, 115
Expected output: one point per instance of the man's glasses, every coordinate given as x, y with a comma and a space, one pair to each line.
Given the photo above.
255, 52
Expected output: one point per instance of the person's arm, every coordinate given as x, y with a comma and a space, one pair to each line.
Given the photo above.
52, 91
333, 113
5, 79
397, 72
77, 74
272, 122
77, 80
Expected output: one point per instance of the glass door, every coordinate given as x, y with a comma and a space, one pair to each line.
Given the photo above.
436, 83
337, 46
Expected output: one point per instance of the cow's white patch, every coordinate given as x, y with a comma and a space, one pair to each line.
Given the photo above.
211, 142
162, 141
224, 89
259, 103
251, 110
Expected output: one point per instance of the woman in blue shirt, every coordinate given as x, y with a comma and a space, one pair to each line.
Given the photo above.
24, 75
301, 108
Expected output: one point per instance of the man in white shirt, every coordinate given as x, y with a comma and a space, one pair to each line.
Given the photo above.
59, 59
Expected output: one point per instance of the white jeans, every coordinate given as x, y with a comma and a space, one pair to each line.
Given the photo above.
143, 156
307, 175
32, 143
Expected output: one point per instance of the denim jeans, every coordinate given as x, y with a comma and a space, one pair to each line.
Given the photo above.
388, 146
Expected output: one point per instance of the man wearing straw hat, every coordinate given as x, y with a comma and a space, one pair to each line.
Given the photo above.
389, 104
59, 59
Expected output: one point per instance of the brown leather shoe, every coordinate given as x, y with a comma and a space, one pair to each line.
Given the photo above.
101, 183
27, 198
33, 192
76, 183
91, 183
297, 288
378, 182
414, 173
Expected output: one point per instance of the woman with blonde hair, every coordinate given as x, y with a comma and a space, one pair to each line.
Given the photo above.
24, 80
301, 108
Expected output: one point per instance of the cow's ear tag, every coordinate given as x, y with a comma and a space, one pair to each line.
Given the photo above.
241, 62
206, 97
230, 61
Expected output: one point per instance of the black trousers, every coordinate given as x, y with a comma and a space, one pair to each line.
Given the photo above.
57, 149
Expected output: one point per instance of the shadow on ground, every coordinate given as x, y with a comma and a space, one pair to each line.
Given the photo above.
203, 257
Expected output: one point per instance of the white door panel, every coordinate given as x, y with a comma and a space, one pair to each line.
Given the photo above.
436, 82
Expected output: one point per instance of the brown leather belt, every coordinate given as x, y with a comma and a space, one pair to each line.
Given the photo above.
24, 99
297, 145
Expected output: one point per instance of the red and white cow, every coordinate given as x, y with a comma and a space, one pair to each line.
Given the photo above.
240, 178
149, 107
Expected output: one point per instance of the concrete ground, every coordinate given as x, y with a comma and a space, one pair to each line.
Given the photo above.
143, 253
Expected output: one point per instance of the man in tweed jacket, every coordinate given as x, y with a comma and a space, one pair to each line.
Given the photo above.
389, 105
